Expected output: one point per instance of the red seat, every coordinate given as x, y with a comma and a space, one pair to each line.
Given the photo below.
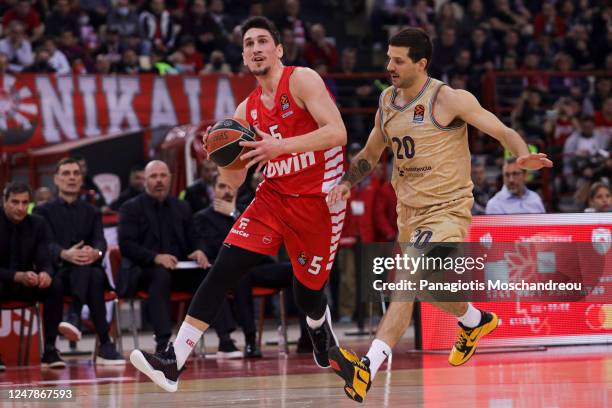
23, 358
262, 293
174, 296
15, 304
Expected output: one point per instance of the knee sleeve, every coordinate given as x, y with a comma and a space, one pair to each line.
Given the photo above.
229, 267
311, 302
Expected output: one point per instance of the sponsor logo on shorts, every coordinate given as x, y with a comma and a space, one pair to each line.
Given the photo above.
419, 114
190, 343
266, 239
254, 114
239, 232
302, 259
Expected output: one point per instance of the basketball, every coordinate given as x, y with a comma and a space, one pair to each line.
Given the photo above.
222, 142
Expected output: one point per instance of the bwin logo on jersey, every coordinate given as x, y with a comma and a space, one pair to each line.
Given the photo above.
419, 114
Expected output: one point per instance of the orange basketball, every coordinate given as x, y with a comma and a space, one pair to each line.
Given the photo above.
222, 142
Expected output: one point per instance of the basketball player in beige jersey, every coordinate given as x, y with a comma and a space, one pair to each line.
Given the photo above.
424, 122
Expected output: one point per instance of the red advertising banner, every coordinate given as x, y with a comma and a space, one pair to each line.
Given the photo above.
10, 327
526, 323
37, 110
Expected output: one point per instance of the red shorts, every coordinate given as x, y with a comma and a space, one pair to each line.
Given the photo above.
309, 228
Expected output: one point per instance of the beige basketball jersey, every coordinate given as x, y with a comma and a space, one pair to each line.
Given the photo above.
431, 163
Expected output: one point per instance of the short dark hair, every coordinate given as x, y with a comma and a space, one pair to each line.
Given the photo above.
16, 187
417, 41
136, 168
67, 160
263, 23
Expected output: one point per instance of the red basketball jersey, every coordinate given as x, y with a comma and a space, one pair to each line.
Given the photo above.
309, 173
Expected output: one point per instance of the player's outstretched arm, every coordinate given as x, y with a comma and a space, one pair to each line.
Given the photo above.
465, 106
308, 87
361, 165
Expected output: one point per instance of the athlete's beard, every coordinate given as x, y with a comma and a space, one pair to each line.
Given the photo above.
260, 72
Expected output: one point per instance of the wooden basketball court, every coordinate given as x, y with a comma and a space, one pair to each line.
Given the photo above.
555, 377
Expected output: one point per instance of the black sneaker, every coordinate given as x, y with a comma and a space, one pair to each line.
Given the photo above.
71, 327
52, 359
2, 366
228, 350
108, 355
161, 367
252, 351
304, 345
322, 339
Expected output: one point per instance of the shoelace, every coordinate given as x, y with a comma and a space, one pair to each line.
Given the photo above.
462, 340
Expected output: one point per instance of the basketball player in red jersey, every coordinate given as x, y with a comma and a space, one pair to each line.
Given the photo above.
302, 135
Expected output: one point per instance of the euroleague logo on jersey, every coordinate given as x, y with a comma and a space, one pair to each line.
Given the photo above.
285, 106
419, 114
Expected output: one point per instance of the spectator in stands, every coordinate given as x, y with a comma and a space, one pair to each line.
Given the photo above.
155, 233
385, 207
217, 64
24, 12
123, 18
446, 17
483, 190
594, 102
463, 66
130, 63
292, 20
444, 52
600, 198
233, 50
68, 43
103, 64
246, 192
90, 192
112, 46
156, 27
61, 19
57, 59
354, 93
43, 195
199, 24
212, 225
533, 77
223, 22
578, 45
481, 49
474, 19
560, 123
504, 18
292, 51
77, 248
26, 271
581, 151
514, 197
320, 49
201, 193
545, 48
419, 15
511, 44
529, 114
41, 62
603, 121
187, 59
135, 187
17, 47
96, 10
548, 21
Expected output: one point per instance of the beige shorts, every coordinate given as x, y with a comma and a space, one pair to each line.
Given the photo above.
447, 222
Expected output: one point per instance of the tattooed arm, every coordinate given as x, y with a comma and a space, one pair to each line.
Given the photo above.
362, 165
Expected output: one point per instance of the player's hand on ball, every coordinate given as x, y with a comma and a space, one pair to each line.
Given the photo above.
534, 161
341, 192
263, 150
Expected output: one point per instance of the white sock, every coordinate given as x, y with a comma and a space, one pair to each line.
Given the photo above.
185, 341
471, 318
378, 353
315, 324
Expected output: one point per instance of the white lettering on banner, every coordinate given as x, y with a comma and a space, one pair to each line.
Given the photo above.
56, 107
162, 110
121, 107
225, 105
87, 86
5, 323
191, 86
11, 320
290, 165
